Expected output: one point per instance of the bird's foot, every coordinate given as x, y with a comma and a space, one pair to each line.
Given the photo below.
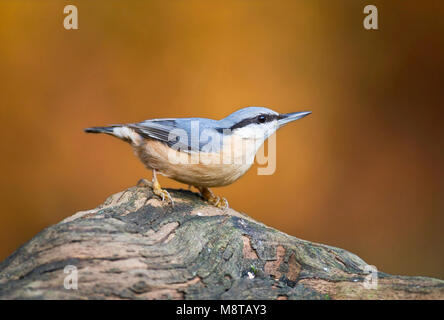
163, 194
157, 190
212, 199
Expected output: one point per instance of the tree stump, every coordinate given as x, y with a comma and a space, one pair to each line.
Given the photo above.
136, 247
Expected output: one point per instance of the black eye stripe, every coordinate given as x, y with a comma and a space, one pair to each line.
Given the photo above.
266, 118
246, 122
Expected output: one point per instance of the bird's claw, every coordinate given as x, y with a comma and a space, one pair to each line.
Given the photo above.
214, 200
221, 203
164, 195
157, 190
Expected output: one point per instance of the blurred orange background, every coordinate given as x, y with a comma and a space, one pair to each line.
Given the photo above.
363, 172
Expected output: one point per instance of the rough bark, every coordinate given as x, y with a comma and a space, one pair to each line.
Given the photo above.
135, 247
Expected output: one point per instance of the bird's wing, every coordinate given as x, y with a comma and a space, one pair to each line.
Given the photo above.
170, 131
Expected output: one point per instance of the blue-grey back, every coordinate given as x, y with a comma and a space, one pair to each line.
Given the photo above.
186, 134
195, 134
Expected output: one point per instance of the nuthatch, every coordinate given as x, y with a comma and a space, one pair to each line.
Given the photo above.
201, 152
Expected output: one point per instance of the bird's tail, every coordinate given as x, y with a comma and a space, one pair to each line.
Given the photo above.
119, 131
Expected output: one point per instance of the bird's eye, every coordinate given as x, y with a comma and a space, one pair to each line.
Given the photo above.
261, 119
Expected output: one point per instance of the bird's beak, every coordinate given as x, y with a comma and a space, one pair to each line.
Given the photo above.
285, 118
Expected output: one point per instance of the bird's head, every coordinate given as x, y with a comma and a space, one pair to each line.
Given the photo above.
258, 123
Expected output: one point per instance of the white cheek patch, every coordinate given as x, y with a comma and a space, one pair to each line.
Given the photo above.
270, 128
257, 131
